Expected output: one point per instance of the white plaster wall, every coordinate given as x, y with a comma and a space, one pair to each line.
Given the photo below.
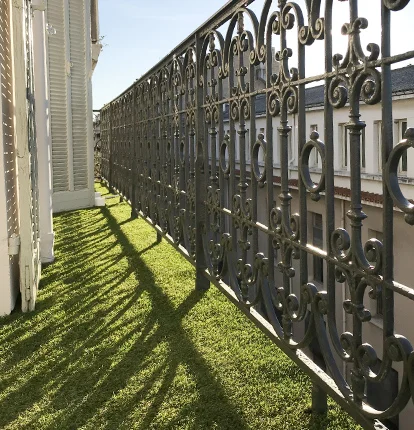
403, 108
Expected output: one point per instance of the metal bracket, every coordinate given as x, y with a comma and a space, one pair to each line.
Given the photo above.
14, 244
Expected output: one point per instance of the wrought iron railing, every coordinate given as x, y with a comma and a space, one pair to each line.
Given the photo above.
218, 197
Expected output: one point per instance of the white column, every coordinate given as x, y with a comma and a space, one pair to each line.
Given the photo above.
89, 71
44, 141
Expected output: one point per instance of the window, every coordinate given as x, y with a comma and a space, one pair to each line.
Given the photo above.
226, 110
261, 72
400, 129
363, 160
291, 154
344, 133
261, 153
247, 145
315, 154
276, 148
374, 234
378, 140
344, 146
317, 240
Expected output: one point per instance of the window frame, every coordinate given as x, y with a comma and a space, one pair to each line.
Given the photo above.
317, 262
314, 162
400, 127
378, 140
344, 146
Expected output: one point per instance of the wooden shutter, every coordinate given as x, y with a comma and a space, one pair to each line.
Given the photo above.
58, 83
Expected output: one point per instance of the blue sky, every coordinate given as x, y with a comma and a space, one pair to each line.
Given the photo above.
137, 34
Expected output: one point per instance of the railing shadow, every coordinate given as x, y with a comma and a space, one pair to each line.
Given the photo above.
182, 351
87, 375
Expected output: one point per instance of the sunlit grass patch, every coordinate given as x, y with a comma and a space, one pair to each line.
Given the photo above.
120, 339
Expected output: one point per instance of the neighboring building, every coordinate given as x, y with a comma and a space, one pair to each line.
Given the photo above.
50, 49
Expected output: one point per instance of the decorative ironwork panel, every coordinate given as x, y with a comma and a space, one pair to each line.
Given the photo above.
202, 146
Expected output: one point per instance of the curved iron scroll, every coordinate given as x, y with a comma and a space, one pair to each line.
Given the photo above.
184, 145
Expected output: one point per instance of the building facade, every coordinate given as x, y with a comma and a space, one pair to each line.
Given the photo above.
49, 49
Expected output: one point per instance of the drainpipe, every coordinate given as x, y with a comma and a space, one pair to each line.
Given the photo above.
44, 143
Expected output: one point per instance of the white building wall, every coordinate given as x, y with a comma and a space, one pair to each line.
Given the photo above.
371, 177
69, 71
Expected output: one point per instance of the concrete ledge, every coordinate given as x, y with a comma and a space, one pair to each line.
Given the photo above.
46, 248
72, 200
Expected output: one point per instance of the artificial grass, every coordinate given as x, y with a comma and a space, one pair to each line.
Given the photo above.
121, 340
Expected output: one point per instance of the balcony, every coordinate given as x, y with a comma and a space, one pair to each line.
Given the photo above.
246, 185
120, 339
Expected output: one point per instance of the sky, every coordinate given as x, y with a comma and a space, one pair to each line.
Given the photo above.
137, 34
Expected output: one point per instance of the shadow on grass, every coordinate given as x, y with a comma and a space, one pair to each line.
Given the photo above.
93, 338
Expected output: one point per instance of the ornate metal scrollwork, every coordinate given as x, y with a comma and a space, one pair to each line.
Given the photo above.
206, 143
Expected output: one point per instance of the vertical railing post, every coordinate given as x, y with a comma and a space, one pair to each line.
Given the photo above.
202, 283
110, 149
133, 160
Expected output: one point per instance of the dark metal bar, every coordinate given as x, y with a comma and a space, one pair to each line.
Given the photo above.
201, 171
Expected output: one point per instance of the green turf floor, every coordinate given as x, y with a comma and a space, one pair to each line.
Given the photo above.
120, 339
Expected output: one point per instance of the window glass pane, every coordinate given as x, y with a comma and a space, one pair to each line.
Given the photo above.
315, 153
379, 144
363, 149
403, 128
344, 138
317, 240
404, 156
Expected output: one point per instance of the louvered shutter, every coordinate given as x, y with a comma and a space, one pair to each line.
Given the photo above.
6, 125
78, 88
58, 87
68, 81
9, 209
